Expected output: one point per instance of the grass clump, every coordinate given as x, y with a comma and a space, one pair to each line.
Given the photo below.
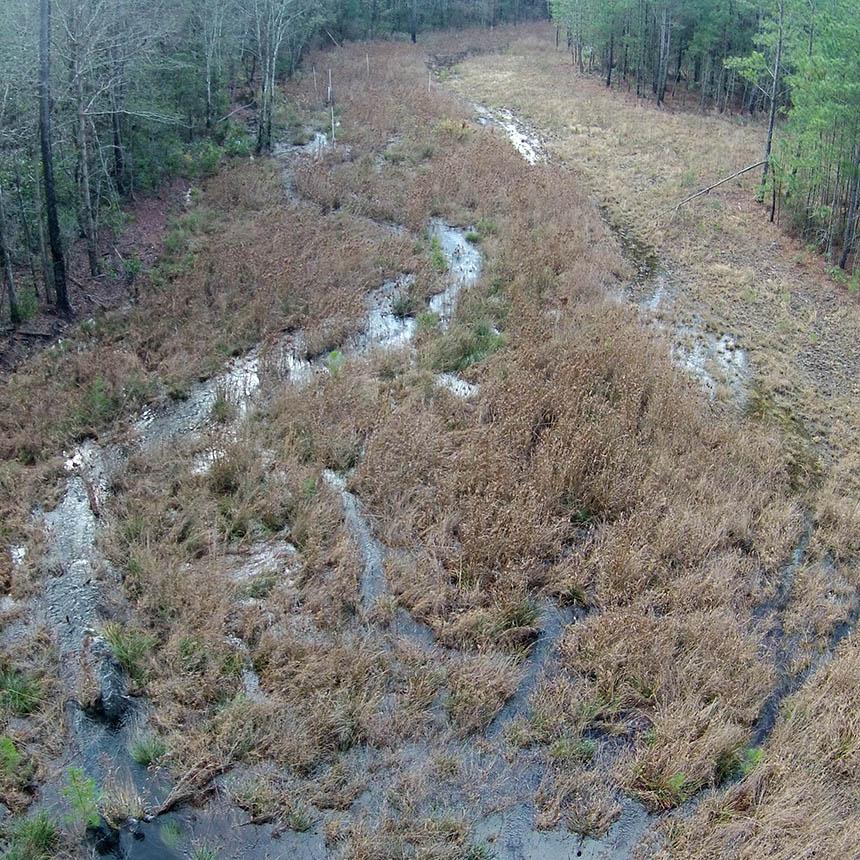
480, 851
19, 693
572, 750
131, 648
427, 321
204, 851
261, 586
300, 819
465, 345
479, 687
404, 304
147, 749
32, 838
120, 801
223, 408
437, 255
171, 833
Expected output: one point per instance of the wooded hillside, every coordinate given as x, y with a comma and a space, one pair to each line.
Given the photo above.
794, 60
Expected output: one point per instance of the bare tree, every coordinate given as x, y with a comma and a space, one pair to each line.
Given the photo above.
6, 264
270, 21
45, 137
214, 17
774, 92
79, 28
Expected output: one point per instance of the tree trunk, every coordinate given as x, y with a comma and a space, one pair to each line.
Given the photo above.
48, 159
611, 58
773, 96
850, 219
84, 173
25, 225
665, 44
47, 271
6, 264
413, 22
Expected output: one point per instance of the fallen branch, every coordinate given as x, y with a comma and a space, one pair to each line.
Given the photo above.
23, 333
332, 37
241, 107
190, 785
715, 185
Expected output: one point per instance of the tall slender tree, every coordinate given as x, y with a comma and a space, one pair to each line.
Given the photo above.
60, 287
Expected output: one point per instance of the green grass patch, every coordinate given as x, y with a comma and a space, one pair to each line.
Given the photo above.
131, 648
19, 693
33, 838
572, 750
464, 345
98, 406
147, 749
437, 255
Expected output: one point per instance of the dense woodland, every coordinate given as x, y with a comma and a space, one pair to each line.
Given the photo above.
796, 61
134, 90
102, 98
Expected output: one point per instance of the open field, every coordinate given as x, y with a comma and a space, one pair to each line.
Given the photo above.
388, 525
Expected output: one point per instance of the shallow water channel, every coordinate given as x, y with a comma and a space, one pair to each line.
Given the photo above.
74, 602
74, 605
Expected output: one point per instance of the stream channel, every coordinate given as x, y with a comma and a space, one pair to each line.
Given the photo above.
74, 603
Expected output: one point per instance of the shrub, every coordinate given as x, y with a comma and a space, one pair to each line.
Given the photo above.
28, 303
238, 143
80, 790
98, 406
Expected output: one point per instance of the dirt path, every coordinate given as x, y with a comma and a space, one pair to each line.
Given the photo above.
726, 267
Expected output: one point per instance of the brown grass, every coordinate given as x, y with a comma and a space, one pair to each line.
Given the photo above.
588, 470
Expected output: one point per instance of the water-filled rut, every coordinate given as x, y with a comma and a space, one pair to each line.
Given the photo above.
104, 717
102, 726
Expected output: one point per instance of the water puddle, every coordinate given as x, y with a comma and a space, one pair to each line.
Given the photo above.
315, 147
515, 837
457, 385
373, 582
715, 360
273, 558
226, 396
385, 328
465, 264
528, 143
287, 153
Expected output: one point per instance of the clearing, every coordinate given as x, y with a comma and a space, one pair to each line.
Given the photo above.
445, 496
